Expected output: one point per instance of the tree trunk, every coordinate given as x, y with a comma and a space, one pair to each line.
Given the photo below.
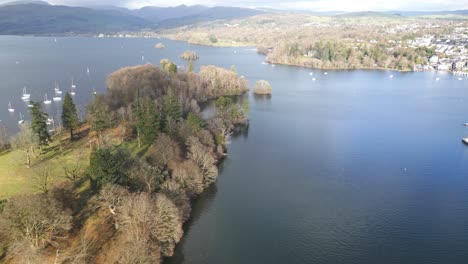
71, 134
138, 138
28, 159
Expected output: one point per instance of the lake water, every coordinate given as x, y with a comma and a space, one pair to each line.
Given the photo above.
355, 167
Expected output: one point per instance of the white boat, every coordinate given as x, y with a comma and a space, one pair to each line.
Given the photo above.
391, 76
460, 79
47, 101
325, 73
21, 120
437, 79
73, 86
313, 79
143, 58
58, 92
57, 96
273, 65
87, 70
264, 63
311, 73
465, 140
30, 105
49, 121
25, 95
10, 109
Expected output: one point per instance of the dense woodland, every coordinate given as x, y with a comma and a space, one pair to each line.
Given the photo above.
325, 42
152, 153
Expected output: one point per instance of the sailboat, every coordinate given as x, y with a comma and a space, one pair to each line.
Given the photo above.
47, 101
57, 96
10, 109
49, 121
25, 97
21, 120
87, 70
73, 87
57, 89
94, 91
143, 58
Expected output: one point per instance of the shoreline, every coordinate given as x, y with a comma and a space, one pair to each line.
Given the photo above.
300, 65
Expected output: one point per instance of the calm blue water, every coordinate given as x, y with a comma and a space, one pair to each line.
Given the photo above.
353, 168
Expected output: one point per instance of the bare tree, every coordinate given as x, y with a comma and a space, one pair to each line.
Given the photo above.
74, 172
33, 221
111, 197
25, 141
202, 156
164, 150
42, 180
152, 222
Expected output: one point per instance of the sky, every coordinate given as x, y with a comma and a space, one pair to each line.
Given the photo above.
313, 5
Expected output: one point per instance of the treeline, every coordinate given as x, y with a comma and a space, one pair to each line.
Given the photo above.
345, 55
152, 154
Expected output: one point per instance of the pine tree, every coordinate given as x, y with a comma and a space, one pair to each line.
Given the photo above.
172, 108
147, 120
39, 125
69, 115
99, 115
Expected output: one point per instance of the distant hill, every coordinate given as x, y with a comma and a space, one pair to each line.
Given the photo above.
368, 14
210, 14
36, 17
158, 14
24, 2
430, 13
46, 19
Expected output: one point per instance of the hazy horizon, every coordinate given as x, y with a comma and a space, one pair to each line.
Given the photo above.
314, 5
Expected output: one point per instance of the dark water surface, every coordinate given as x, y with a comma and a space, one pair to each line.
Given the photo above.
355, 167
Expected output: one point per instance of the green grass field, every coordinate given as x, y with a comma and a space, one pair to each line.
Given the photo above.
15, 177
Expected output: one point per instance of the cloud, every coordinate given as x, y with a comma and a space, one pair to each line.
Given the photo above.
314, 5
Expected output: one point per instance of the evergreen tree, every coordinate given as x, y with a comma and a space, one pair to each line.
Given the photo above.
69, 115
195, 122
99, 115
172, 108
39, 125
147, 120
109, 165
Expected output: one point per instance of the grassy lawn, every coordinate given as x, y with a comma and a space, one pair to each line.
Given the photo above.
15, 177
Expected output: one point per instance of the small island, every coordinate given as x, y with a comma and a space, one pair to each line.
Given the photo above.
189, 55
262, 87
159, 46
